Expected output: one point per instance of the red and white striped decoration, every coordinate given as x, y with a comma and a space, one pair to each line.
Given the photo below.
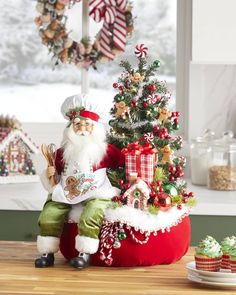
147, 167
105, 41
141, 51
112, 12
151, 98
232, 265
149, 137
225, 261
208, 264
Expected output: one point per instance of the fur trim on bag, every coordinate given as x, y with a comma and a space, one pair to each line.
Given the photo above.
86, 244
47, 244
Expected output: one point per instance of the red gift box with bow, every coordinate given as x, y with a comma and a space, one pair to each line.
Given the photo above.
140, 159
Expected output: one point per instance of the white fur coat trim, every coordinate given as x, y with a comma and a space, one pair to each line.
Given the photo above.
47, 244
86, 244
145, 221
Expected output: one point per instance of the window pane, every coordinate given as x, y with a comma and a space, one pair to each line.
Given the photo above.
32, 91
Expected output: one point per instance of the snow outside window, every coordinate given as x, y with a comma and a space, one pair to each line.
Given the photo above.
33, 91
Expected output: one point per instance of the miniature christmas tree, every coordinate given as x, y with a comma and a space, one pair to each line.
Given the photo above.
142, 125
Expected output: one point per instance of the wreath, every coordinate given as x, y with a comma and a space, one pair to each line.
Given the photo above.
109, 42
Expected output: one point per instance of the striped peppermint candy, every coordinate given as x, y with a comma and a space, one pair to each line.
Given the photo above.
141, 51
151, 99
149, 137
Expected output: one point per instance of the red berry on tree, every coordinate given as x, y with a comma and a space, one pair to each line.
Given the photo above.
173, 114
179, 206
152, 87
156, 129
179, 168
134, 103
177, 114
172, 169
145, 104
115, 85
161, 135
191, 194
171, 178
176, 120
161, 190
121, 87
159, 182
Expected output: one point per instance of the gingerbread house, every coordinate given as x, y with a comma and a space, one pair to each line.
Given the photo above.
16, 150
137, 195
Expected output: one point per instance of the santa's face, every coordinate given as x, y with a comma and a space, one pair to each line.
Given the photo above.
82, 127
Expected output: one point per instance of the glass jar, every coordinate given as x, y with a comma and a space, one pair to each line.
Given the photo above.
222, 163
199, 149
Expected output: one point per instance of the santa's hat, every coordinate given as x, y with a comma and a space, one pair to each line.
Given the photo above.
80, 106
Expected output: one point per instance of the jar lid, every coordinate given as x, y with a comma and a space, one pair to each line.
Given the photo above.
208, 136
226, 141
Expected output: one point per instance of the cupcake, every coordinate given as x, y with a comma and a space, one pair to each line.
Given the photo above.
232, 258
208, 255
226, 244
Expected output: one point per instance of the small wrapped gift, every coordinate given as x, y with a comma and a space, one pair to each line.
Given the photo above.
141, 160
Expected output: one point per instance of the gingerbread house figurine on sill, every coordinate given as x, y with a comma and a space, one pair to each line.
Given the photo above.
16, 150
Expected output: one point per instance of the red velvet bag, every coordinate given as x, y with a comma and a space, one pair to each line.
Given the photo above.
163, 248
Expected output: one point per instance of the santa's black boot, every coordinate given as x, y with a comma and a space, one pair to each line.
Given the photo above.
80, 261
45, 260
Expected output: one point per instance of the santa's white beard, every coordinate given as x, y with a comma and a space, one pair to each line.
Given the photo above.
86, 150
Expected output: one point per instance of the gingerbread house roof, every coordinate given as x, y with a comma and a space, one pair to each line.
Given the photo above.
7, 134
140, 185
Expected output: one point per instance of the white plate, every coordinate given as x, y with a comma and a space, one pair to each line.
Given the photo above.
223, 273
196, 279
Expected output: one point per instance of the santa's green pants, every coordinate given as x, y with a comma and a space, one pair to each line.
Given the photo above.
53, 216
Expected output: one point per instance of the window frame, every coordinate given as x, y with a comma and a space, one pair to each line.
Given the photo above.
183, 58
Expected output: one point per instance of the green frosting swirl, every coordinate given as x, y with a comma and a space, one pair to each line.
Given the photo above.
232, 252
209, 247
227, 243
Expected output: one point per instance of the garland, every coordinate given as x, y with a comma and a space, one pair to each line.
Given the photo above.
109, 42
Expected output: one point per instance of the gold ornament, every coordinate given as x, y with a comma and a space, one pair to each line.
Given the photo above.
121, 109
166, 156
164, 114
136, 77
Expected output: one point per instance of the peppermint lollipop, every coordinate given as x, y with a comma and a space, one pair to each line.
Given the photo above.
141, 51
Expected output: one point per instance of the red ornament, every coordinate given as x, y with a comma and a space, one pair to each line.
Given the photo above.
185, 200
156, 129
191, 194
171, 178
173, 114
134, 103
177, 114
176, 120
152, 87
161, 190
179, 168
161, 135
164, 201
145, 104
115, 85
121, 87
159, 182
172, 169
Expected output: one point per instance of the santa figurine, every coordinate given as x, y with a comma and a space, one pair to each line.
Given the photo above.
80, 164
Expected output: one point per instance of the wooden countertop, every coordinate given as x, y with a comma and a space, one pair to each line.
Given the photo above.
19, 276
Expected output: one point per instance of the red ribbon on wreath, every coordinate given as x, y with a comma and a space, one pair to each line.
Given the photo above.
112, 12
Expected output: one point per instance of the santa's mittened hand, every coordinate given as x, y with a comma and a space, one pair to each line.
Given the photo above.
51, 171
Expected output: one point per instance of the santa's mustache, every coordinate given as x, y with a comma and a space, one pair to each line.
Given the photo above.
82, 133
